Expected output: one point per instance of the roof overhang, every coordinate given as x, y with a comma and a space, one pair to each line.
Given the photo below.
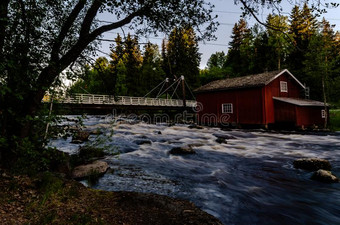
286, 71
228, 89
300, 102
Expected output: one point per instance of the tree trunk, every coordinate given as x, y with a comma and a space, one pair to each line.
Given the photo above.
324, 77
3, 22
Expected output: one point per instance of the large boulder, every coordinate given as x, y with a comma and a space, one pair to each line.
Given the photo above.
312, 164
93, 169
325, 176
182, 150
80, 137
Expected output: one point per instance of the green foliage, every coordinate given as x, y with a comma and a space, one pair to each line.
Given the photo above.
238, 55
217, 59
182, 55
39, 40
214, 73
49, 184
93, 150
334, 119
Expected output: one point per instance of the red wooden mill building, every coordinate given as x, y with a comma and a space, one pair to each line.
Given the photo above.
269, 98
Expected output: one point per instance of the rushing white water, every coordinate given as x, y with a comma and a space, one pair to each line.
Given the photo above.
249, 180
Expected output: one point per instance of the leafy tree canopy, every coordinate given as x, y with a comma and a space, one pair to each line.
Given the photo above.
40, 39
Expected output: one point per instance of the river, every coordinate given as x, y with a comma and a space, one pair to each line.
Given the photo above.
248, 180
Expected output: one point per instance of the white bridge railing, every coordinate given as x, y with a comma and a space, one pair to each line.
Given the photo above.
120, 100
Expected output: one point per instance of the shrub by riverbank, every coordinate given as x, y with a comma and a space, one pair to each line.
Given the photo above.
335, 119
48, 199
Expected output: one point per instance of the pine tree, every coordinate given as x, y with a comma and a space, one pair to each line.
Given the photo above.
238, 55
151, 71
217, 59
133, 61
183, 55
120, 87
302, 27
278, 39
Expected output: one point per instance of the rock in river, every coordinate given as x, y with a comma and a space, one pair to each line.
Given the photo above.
195, 126
182, 150
325, 176
80, 137
96, 168
312, 164
221, 140
142, 142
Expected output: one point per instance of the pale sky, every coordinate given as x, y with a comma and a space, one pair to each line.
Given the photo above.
228, 15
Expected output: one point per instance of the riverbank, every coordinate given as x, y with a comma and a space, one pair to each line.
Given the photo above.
48, 199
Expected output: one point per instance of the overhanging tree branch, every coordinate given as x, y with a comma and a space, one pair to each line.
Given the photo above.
49, 74
90, 15
115, 25
65, 29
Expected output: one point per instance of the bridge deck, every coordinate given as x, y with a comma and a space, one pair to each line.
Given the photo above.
120, 100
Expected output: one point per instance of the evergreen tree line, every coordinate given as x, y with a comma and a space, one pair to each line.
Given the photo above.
300, 43
133, 72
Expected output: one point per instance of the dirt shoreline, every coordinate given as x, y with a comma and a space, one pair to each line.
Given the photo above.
48, 199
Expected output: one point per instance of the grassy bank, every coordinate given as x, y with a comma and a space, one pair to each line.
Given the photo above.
335, 119
48, 199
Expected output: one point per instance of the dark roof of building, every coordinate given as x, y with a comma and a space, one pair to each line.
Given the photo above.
256, 80
300, 102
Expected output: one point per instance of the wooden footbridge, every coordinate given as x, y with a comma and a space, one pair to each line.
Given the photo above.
109, 102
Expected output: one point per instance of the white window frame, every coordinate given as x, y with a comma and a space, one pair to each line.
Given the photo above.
323, 113
283, 86
227, 108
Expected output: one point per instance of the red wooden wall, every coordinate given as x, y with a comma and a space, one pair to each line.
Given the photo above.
309, 115
284, 112
255, 105
247, 106
273, 90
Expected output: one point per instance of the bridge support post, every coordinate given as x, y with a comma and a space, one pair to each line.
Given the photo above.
183, 91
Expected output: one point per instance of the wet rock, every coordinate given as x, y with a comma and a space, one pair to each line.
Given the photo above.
96, 132
324, 176
182, 150
195, 126
80, 136
196, 145
312, 164
221, 140
72, 120
224, 136
142, 142
143, 137
171, 124
77, 142
96, 168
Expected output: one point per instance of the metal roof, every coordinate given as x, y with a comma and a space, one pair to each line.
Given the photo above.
256, 80
300, 102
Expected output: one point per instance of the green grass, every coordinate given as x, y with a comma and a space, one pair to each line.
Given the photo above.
335, 119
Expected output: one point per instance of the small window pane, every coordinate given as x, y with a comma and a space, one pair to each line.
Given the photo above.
283, 86
227, 108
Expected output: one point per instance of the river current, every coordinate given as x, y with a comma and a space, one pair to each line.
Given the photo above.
248, 180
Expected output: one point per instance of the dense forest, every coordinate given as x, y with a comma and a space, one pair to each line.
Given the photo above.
133, 72
309, 48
